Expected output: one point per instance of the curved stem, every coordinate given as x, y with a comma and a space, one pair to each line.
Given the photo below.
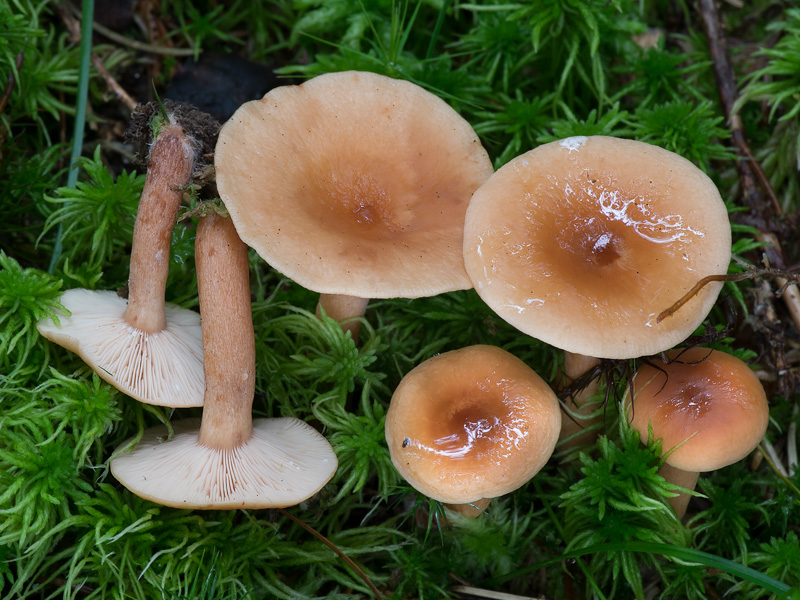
229, 347
168, 169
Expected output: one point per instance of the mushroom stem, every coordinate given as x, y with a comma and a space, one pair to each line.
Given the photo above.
576, 365
342, 307
471, 509
684, 479
229, 350
169, 167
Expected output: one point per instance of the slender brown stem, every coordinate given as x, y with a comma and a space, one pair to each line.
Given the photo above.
696, 288
229, 348
113, 84
576, 365
168, 170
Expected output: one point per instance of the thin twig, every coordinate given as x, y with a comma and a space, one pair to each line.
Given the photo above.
749, 168
136, 45
112, 83
333, 547
11, 82
784, 278
74, 26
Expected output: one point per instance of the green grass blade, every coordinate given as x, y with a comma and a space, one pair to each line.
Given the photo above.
683, 554
87, 19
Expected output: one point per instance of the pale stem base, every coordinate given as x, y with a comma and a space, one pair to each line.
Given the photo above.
576, 365
685, 479
473, 509
341, 308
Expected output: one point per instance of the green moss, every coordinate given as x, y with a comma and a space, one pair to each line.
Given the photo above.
522, 74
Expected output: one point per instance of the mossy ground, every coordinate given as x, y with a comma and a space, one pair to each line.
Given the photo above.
522, 74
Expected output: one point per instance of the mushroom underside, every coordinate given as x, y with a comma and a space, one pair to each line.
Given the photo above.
163, 368
284, 462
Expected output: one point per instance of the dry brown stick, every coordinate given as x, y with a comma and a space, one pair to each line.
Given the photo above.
112, 83
748, 166
784, 279
136, 45
11, 82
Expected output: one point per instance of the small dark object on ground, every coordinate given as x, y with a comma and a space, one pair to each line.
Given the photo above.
219, 83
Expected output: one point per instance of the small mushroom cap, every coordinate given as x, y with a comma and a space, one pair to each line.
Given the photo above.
471, 423
285, 462
583, 242
163, 368
353, 183
710, 400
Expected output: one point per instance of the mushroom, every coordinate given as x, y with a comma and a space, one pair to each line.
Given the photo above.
582, 242
150, 350
580, 414
354, 185
471, 424
708, 407
230, 460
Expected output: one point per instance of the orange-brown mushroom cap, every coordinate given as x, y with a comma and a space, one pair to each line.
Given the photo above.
583, 242
709, 401
353, 183
471, 423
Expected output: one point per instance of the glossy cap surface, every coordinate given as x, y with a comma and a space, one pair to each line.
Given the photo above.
472, 423
583, 242
709, 400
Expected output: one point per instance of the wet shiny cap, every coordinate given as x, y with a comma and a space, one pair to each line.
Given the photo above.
353, 183
583, 242
710, 400
472, 423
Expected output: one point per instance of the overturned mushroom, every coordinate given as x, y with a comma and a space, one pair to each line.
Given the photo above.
150, 350
230, 460
354, 185
471, 424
